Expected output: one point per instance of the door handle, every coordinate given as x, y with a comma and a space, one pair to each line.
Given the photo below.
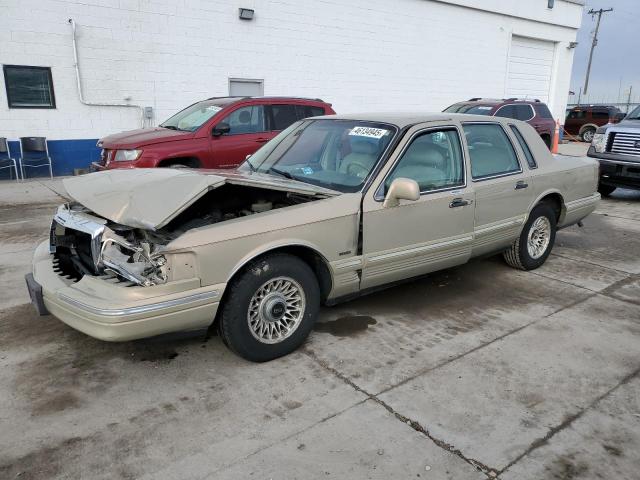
520, 185
262, 140
459, 202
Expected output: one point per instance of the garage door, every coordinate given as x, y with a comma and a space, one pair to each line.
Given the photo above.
530, 64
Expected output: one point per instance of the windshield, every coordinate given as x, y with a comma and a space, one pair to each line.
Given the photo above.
335, 154
635, 114
192, 118
470, 108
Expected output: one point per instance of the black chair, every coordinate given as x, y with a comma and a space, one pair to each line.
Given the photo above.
5, 158
34, 153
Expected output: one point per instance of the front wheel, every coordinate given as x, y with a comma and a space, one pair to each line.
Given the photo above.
587, 134
271, 308
535, 242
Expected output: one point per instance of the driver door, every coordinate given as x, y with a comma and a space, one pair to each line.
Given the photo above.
248, 132
429, 234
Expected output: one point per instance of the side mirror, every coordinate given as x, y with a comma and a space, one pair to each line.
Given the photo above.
220, 129
401, 189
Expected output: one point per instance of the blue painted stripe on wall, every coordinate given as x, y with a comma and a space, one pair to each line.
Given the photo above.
65, 155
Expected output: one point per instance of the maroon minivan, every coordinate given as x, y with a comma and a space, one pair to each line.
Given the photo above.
534, 112
215, 133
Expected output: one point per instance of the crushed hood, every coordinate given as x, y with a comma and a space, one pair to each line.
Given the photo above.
149, 198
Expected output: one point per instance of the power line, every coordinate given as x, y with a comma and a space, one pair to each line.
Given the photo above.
593, 12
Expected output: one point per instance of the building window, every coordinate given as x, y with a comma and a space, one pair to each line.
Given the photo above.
29, 87
246, 87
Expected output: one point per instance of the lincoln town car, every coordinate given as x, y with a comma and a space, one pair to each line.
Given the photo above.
331, 208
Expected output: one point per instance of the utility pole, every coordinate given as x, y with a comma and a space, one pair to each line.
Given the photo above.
593, 12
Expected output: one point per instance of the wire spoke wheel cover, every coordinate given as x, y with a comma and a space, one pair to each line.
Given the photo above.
276, 310
539, 237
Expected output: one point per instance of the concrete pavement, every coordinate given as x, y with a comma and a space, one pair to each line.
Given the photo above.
480, 371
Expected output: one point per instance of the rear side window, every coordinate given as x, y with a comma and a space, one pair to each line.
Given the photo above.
519, 112
282, 116
508, 111
542, 110
525, 148
490, 150
305, 111
577, 114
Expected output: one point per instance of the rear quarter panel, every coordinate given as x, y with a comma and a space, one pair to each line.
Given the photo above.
574, 178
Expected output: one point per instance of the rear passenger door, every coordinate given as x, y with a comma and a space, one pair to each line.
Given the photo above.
501, 186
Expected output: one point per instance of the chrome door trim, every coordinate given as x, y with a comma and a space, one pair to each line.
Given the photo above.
418, 250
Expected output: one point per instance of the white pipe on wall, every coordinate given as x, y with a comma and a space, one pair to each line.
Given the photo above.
80, 93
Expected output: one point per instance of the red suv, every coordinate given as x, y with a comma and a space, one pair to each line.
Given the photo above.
584, 121
534, 112
215, 133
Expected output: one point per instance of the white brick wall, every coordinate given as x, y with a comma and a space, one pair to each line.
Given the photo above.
372, 55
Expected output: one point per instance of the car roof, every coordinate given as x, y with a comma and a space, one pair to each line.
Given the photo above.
229, 100
402, 120
500, 101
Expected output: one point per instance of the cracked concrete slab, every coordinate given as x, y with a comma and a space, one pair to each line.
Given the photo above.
428, 322
365, 441
496, 402
610, 242
90, 409
603, 443
579, 273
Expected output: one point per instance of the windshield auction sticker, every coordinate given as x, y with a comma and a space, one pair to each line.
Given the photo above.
368, 132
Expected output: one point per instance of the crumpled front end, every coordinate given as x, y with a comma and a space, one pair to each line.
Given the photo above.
84, 244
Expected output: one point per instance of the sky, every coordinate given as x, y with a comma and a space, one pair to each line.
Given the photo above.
616, 58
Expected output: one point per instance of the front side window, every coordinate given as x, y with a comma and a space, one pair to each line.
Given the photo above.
29, 87
248, 119
525, 148
433, 159
282, 116
335, 154
490, 150
600, 114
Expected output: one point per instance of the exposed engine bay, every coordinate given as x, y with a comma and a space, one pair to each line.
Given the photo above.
84, 243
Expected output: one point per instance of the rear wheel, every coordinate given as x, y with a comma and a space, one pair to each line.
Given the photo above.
536, 240
605, 190
587, 134
271, 308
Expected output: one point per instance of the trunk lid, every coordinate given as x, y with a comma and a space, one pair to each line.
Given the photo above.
149, 198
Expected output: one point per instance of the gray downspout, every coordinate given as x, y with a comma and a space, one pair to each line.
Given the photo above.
81, 95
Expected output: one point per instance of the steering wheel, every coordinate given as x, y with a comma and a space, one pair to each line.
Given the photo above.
357, 169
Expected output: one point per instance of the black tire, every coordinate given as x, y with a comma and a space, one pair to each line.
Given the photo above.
518, 255
605, 190
234, 324
587, 134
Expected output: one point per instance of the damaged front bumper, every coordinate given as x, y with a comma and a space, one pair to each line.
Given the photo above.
140, 263
113, 312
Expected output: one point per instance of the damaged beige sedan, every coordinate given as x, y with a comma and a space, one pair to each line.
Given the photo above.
329, 209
